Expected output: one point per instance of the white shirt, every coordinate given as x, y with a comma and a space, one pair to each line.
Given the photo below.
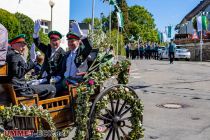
71, 68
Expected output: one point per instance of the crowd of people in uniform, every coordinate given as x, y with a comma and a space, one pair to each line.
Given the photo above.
139, 50
61, 67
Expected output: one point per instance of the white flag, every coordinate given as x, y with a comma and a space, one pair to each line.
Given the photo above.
199, 23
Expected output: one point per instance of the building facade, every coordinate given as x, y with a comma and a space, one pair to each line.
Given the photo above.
185, 29
186, 25
40, 9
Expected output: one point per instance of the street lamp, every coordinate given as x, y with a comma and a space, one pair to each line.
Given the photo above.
93, 8
51, 3
102, 15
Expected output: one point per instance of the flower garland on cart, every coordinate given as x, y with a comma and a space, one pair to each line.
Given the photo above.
7, 114
97, 78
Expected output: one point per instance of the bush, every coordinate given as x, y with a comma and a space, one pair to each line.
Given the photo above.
10, 22
26, 26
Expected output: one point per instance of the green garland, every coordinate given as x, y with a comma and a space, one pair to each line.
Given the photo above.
7, 114
136, 112
84, 91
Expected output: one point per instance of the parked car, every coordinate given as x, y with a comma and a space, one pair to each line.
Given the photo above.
161, 49
180, 53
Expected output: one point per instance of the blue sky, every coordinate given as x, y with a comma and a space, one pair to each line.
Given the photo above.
165, 12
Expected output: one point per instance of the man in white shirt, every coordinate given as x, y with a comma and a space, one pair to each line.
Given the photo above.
75, 60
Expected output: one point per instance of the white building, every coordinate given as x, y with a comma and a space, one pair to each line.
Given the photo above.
186, 25
40, 9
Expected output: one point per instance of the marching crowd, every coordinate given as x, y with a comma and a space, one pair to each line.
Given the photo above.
139, 50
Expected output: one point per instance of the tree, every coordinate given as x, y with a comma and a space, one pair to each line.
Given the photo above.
97, 22
10, 22
144, 21
26, 26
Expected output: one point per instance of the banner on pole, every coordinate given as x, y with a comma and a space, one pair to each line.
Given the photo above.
169, 31
199, 23
112, 2
120, 19
204, 23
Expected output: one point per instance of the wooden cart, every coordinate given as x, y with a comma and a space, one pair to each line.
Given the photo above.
115, 111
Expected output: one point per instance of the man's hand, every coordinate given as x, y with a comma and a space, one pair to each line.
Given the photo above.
37, 27
33, 52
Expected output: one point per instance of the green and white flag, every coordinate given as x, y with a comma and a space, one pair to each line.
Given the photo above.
201, 23
204, 23
120, 19
112, 2
169, 31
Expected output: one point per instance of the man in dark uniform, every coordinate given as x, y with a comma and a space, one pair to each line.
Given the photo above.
171, 50
53, 53
75, 60
18, 67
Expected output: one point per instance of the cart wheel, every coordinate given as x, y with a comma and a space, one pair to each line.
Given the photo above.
116, 114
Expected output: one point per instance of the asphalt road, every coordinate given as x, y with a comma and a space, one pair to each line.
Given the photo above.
184, 84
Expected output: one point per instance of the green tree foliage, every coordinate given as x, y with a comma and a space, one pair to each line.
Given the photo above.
144, 22
10, 22
26, 26
113, 39
44, 37
97, 22
104, 41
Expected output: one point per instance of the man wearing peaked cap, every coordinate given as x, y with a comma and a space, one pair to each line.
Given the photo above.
18, 67
53, 53
19, 38
75, 60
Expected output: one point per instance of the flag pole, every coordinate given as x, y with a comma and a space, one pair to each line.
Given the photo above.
117, 40
110, 20
93, 7
201, 46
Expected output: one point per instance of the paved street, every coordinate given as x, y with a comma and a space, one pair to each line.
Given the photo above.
185, 83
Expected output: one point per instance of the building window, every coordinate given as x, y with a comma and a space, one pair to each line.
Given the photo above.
46, 31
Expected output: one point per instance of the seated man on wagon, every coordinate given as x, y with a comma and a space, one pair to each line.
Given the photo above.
18, 67
74, 62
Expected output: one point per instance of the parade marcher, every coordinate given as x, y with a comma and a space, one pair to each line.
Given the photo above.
156, 52
148, 51
127, 50
171, 50
141, 51
53, 53
133, 49
18, 67
75, 60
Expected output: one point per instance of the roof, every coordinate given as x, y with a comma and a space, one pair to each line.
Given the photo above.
200, 7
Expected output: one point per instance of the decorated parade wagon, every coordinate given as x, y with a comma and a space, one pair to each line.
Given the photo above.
96, 111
